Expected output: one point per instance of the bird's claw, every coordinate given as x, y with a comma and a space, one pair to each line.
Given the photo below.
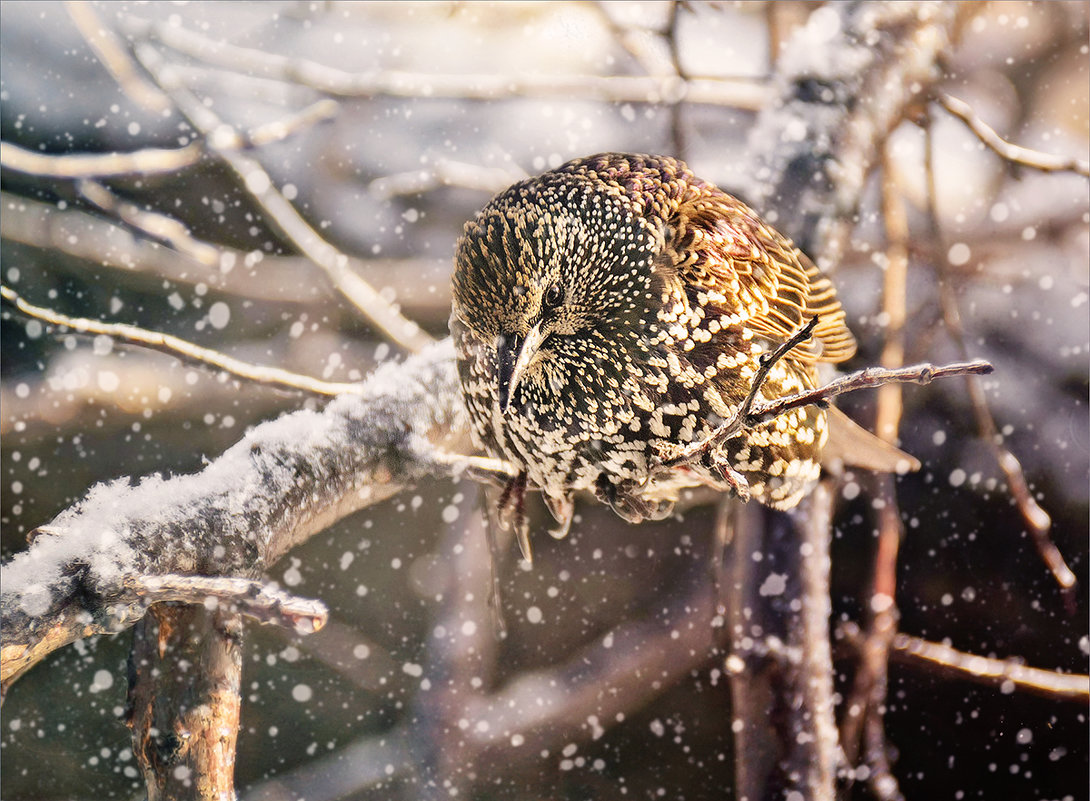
629, 505
733, 481
562, 508
511, 513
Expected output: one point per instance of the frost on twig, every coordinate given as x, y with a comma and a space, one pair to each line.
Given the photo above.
176, 346
256, 600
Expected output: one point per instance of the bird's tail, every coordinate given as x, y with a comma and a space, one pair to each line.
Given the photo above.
854, 446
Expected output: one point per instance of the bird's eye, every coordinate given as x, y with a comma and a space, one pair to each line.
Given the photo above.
554, 296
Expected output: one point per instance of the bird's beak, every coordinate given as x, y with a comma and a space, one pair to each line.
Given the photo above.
514, 354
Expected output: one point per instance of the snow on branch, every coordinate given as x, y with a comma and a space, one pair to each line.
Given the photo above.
283, 482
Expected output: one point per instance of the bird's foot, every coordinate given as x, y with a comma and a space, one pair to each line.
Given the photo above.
511, 513
562, 509
733, 481
485, 470
627, 504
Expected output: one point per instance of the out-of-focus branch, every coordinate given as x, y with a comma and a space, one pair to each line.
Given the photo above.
282, 483
1016, 154
149, 161
113, 55
814, 145
158, 226
446, 172
677, 128
780, 661
842, 83
176, 346
155, 161
1006, 674
1036, 519
252, 274
735, 93
1002, 673
863, 722
620, 672
278, 210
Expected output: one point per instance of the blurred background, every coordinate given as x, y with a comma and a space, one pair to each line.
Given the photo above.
386, 126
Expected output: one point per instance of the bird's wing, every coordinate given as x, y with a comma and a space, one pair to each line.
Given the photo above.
720, 246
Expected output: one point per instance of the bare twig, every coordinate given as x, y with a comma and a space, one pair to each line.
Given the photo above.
254, 599
1026, 157
150, 161
156, 225
735, 93
739, 420
175, 346
751, 413
446, 172
864, 379
637, 41
115, 57
279, 130
279, 211
155, 161
1007, 674
1036, 519
863, 720
885, 52
677, 129
248, 274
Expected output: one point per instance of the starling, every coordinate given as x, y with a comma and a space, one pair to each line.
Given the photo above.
616, 308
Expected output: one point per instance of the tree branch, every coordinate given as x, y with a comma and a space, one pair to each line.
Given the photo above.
176, 346
737, 93
282, 483
1016, 154
220, 138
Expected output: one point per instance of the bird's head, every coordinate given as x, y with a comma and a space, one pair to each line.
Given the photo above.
553, 276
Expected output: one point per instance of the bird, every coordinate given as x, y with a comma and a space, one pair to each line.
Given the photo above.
615, 309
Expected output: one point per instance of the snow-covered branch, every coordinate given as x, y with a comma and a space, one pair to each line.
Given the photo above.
283, 482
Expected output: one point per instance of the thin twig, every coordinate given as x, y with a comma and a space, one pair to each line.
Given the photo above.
162, 227
156, 161
752, 413
737, 93
175, 346
739, 421
864, 379
276, 131
863, 726
677, 131
446, 172
1045, 162
113, 55
149, 161
256, 600
987, 670
635, 40
253, 275
280, 212
1036, 519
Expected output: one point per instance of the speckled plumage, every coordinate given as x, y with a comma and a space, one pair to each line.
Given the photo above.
614, 308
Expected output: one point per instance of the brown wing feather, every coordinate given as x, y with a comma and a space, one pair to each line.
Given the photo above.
717, 243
